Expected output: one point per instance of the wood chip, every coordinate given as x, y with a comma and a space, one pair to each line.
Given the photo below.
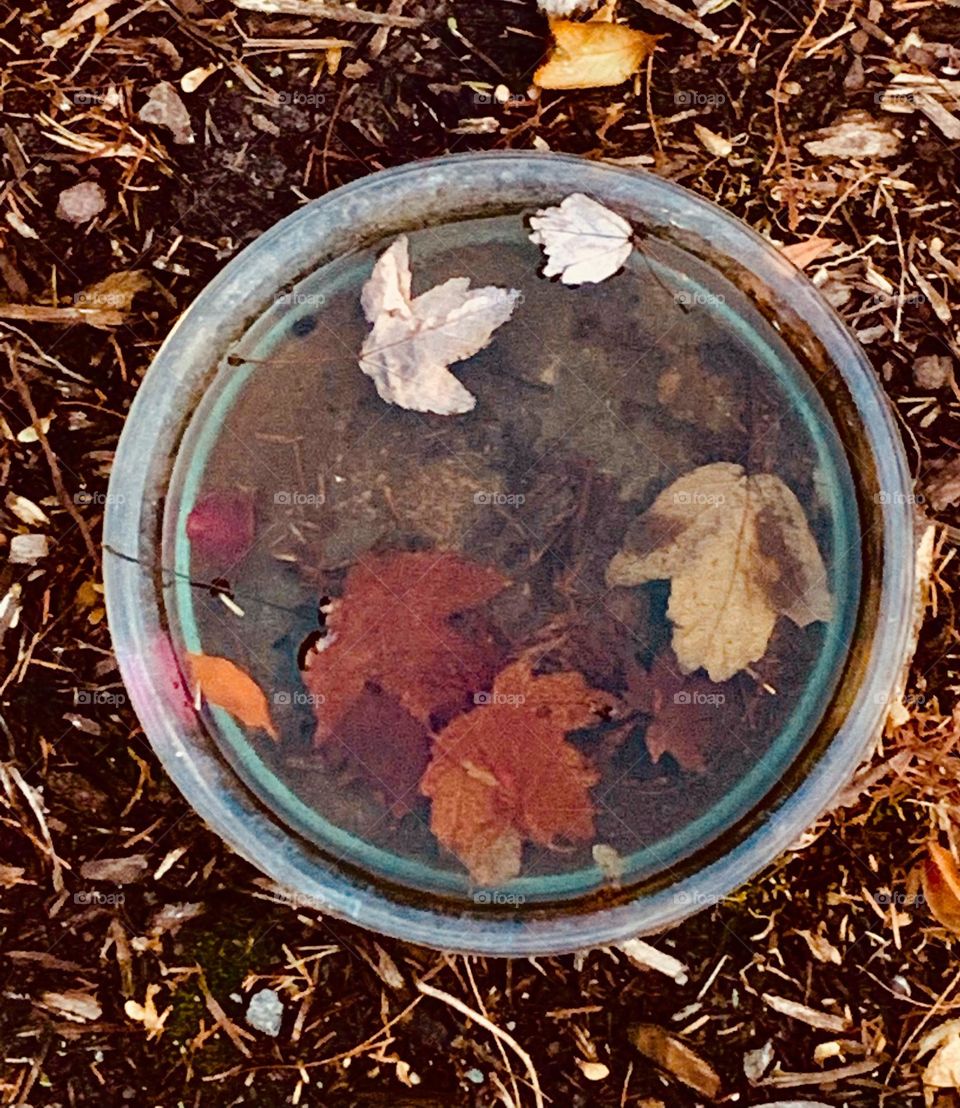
647, 957
823, 1021
672, 1054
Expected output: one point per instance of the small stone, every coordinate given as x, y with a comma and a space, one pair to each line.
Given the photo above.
265, 1012
27, 550
475, 1076
932, 371
80, 203
165, 108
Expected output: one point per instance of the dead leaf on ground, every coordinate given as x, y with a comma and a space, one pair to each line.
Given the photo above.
739, 552
584, 241
941, 886
147, 1014
672, 1054
809, 250
943, 1069
229, 687
856, 135
593, 55
414, 340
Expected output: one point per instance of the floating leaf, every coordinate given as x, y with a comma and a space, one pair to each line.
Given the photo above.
414, 340
739, 552
585, 242
593, 55
392, 629
222, 524
504, 773
941, 886
386, 744
690, 714
226, 685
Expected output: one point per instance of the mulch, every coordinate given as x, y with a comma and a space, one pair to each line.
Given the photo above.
183, 924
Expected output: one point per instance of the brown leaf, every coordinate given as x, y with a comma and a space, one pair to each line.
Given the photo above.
672, 1054
808, 251
690, 713
505, 773
226, 685
941, 886
393, 630
593, 55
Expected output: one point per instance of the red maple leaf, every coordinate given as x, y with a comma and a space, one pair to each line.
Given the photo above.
690, 712
393, 629
379, 738
504, 773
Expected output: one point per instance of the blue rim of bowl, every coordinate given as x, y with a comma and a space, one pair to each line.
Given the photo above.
219, 317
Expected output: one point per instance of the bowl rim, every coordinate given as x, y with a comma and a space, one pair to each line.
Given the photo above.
179, 372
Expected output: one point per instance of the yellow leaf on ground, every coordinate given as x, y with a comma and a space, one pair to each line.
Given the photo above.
941, 886
810, 250
593, 55
229, 687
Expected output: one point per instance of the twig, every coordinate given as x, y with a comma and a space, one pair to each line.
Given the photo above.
55, 473
465, 1010
317, 9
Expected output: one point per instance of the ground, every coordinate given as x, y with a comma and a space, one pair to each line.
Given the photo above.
834, 925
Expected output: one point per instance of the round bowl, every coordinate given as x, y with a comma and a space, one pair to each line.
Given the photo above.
186, 401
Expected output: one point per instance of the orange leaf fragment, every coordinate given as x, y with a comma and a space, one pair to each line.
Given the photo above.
593, 55
808, 251
941, 886
231, 688
504, 773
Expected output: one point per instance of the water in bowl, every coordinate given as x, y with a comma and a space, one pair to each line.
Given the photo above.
313, 508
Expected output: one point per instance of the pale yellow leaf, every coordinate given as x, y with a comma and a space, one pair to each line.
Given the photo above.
593, 55
739, 552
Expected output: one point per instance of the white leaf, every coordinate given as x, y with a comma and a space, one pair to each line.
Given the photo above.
738, 552
584, 241
414, 340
